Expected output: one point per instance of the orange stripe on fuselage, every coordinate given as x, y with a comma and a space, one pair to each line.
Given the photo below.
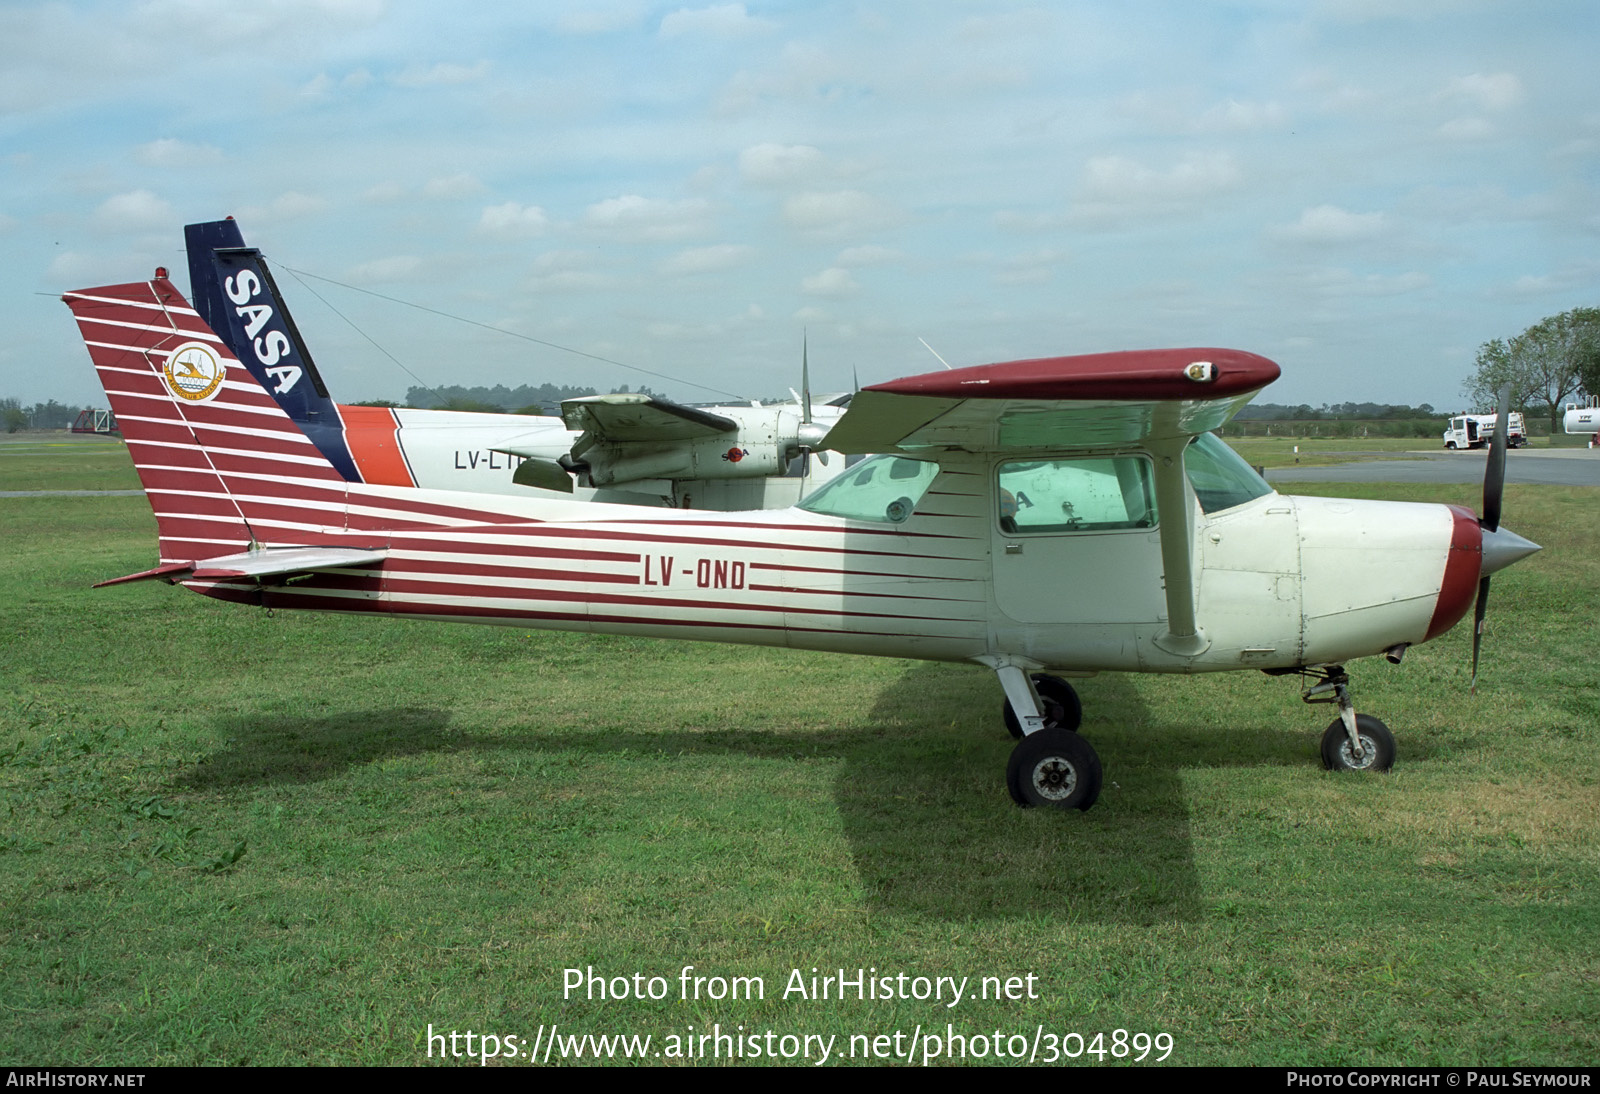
372, 434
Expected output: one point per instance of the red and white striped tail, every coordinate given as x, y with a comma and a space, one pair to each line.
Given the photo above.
214, 451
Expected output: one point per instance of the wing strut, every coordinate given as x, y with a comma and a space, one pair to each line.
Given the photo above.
1183, 635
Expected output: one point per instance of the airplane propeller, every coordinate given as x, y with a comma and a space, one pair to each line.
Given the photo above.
1500, 548
810, 434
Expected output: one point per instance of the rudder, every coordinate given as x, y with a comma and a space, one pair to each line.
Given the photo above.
223, 466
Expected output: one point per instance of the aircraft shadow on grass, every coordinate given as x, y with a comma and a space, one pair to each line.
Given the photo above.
973, 855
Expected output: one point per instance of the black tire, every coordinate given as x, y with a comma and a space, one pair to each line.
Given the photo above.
1376, 742
1062, 707
1054, 768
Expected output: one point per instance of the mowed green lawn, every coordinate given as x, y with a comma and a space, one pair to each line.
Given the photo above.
228, 837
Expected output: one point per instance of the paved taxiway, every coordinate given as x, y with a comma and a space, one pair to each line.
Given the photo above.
1548, 467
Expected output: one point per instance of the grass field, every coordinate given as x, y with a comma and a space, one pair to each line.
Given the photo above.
234, 838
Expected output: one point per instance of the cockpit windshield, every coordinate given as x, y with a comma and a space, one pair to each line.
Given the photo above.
1220, 476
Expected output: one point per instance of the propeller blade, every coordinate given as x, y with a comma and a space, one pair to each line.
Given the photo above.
1494, 477
805, 381
1479, 611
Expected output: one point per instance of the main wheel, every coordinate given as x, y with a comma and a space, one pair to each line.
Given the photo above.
1054, 767
1061, 706
1377, 746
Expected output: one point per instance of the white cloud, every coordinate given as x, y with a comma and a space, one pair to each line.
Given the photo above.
442, 75
1329, 224
601, 20
395, 268
135, 211
834, 281
455, 186
778, 164
96, 268
1118, 178
171, 153
514, 219
1496, 92
719, 21
1115, 187
651, 220
838, 212
869, 255
386, 191
1348, 283
1467, 129
565, 271
290, 205
698, 260
1234, 116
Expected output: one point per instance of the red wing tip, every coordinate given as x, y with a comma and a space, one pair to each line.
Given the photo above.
1167, 374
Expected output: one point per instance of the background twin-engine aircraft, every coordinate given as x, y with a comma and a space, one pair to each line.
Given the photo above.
1064, 515
629, 448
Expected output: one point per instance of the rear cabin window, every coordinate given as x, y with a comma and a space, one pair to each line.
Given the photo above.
1104, 494
879, 488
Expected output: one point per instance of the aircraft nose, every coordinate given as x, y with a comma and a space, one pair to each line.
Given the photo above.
1502, 547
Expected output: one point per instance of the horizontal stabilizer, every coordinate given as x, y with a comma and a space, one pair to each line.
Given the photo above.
638, 417
265, 562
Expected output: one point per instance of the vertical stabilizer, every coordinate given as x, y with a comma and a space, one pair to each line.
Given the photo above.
236, 296
223, 466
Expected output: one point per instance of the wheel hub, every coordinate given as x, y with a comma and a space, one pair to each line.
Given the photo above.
1054, 778
1369, 753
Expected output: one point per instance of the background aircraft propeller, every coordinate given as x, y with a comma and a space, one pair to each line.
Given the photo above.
810, 434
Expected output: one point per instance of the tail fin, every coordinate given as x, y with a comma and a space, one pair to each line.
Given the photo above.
236, 296
224, 467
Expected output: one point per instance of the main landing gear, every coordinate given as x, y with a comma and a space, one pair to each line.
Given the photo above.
1353, 742
1051, 765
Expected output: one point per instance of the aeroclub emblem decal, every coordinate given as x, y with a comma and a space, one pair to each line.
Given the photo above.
194, 372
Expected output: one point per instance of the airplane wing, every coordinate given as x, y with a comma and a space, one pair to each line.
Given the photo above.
267, 562
1158, 399
1094, 401
637, 417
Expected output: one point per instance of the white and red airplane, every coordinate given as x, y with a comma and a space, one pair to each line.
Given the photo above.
1061, 515
630, 448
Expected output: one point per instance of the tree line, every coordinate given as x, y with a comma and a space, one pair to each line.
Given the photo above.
48, 415
499, 399
1549, 364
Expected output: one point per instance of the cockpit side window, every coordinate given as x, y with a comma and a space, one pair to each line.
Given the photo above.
1100, 494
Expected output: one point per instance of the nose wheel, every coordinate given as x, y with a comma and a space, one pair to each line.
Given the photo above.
1353, 742
1377, 746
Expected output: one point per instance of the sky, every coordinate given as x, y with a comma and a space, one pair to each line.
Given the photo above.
1364, 191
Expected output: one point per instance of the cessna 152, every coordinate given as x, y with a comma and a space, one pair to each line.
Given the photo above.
630, 448
1072, 514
